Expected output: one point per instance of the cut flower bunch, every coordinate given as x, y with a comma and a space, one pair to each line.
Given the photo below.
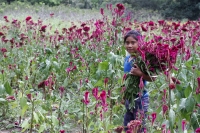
153, 57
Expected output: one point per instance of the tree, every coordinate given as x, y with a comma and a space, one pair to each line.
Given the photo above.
181, 9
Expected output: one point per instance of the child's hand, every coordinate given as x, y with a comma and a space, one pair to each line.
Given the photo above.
136, 71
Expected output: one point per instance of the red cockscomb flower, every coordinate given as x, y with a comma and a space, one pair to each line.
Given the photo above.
28, 18
43, 28
153, 115
86, 98
86, 28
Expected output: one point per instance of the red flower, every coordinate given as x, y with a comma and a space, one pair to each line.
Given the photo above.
175, 80
10, 98
106, 81
68, 70
43, 28
183, 124
74, 68
124, 78
3, 50
1, 34
61, 89
51, 14
102, 12
141, 85
86, 80
41, 84
6, 18
188, 54
103, 98
86, 98
172, 86
62, 131
26, 77
164, 109
119, 129
198, 87
86, 28
198, 81
143, 28
151, 23
153, 115
95, 92
120, 6
28, 18
197, 130
83, 24
29, 96
161, 22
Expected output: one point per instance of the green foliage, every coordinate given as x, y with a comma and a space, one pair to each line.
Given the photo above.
180, 9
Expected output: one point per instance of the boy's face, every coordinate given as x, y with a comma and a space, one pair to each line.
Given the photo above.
131, 45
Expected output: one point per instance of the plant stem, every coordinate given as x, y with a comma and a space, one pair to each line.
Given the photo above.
83, 119
32, 116
59, 113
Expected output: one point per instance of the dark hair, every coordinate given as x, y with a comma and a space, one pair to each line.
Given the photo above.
132, 33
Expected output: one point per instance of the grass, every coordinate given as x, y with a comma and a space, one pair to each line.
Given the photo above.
63, 14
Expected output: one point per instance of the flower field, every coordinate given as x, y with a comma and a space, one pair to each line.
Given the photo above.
62, 79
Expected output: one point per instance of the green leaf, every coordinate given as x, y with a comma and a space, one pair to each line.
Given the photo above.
103, 66
187, 91
183, 74
42, 127
2, 100
189, 104
56, 65
8, 88
24, 109
182, 103
25, 124
65, 82
171, 117
2, 89
48, 51
35, 116
99, 83
55, 120
114, 97
23, 102
172, 96
197, 98
194, 121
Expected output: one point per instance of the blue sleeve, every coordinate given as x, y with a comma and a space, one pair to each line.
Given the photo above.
127, 65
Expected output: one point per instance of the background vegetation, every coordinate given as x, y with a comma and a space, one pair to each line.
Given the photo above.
170, 9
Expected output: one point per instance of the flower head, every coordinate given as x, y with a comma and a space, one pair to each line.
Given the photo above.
106, 81
141, 85
172, 86
43, 28
29, 96
119, 129
197, 130
102, 11
183, 124
153, 115
95, 92
10, 98
103, 98
62, 131
28, 18
120, 6
61, 89
86, 98
164, 109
